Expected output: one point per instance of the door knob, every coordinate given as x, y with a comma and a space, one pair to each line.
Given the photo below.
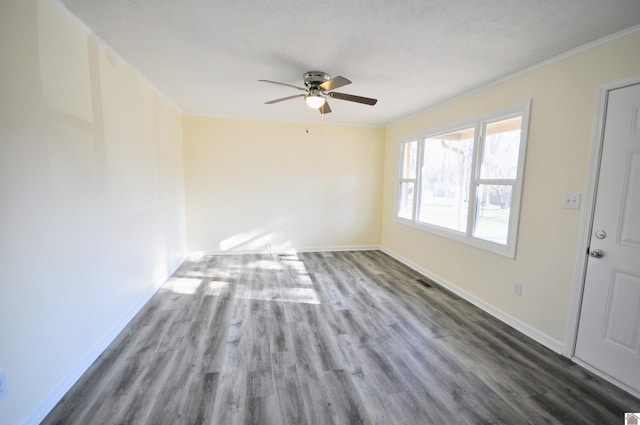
596, 253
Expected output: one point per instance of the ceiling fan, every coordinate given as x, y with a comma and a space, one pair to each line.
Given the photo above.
317, 88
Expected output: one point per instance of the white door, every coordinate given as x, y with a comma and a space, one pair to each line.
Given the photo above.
609, 327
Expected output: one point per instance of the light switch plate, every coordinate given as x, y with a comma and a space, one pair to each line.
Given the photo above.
571, 201
517, 288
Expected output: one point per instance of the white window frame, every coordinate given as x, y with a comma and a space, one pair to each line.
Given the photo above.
479, 123
401, 179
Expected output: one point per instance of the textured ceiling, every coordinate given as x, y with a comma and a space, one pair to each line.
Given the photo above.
207, 55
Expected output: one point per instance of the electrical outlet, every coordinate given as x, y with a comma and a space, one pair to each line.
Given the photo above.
517, 288
3, 385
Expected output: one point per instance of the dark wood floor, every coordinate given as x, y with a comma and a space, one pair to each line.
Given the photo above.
327, 338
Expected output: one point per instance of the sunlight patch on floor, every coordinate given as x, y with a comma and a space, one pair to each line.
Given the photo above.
289, 295
215, 287
183, 286
266, 265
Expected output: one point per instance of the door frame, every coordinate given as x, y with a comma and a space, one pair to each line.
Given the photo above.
587, 217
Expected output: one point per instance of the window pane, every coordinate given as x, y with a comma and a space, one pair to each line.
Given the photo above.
409, 159
492, 215
501, 148
445, 180
405, 204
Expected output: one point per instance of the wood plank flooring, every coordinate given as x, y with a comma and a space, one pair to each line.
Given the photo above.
327, 338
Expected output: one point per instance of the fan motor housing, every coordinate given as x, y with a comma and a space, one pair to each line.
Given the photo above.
313, 79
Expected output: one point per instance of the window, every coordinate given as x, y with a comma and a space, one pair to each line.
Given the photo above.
464, 181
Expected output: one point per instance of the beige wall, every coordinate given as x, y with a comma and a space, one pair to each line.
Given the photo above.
92, 201
291, 185
560, 136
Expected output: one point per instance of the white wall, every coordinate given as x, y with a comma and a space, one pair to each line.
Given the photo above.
292, 185
91, 201
560, 135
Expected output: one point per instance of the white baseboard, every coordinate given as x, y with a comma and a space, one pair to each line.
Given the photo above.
529, 331
62, 387
276, 250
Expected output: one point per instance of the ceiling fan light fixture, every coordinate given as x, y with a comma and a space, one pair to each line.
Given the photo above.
315, 100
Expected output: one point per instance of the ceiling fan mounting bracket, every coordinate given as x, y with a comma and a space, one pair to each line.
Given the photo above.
313, 79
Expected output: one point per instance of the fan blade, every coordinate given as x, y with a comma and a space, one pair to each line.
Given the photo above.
271, 102
284, 84
353, 98
334, 83
325, 109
